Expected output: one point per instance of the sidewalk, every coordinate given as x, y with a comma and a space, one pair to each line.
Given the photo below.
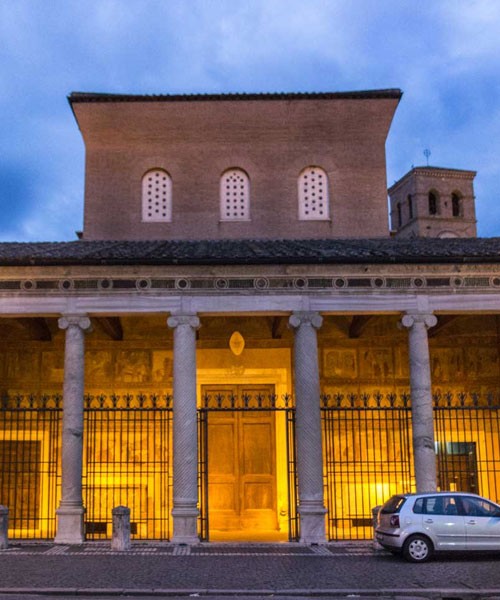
256, 570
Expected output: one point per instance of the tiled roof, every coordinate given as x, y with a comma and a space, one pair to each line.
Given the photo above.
252, 252
361, 94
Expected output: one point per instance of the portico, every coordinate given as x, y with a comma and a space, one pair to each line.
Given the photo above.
294, 360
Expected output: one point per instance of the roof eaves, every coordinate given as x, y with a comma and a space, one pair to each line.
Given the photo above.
75, 97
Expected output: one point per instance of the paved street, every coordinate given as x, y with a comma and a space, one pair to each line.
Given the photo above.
283, 570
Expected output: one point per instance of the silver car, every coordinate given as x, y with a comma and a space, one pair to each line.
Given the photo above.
417, 525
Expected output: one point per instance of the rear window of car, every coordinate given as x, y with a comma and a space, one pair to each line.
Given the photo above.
393, 505
436, 505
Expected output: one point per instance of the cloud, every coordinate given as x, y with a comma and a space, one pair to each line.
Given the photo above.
444, 54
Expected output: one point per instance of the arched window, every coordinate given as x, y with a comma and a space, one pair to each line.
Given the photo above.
456, 205
156, 196
433, 203
234, 196
400, 218
410, 207
313, 195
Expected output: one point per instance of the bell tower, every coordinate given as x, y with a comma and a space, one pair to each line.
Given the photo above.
433, 202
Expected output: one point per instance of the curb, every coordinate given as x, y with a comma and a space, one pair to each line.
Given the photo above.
433, 593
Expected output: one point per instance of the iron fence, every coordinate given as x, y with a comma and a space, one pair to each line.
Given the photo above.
128, 462
367, 457
467, 433
368, 452
30, 455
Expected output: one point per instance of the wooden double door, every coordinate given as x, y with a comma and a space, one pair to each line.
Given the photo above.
241, 466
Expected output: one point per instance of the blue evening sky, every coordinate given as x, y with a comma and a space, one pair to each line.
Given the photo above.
443, 54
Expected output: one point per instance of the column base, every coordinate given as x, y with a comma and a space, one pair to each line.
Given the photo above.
70, 529
312, 524
185, 525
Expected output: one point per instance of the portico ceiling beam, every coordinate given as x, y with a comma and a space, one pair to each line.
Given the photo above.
358, 324
112, 326
37, 328
443, 321
278, 326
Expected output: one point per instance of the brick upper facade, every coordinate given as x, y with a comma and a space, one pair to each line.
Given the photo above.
270, 138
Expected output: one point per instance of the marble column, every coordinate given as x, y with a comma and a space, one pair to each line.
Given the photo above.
308, 427
424, 453
70, 513
185, 430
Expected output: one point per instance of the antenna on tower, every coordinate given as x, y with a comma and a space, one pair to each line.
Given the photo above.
427, 153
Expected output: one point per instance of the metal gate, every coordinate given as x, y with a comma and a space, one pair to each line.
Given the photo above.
467, 431
368, 452
246, 404
127, 461
30, 463
367, 458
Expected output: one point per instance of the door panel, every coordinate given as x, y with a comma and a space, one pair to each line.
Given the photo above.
442, 520
449, 531
241, 463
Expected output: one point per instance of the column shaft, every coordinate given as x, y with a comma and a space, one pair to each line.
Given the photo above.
308, 427
70, 512
185, 430
424, 452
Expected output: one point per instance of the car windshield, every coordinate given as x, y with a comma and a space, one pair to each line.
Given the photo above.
393, 505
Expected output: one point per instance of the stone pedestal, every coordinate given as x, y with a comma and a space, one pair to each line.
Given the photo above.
424, 451
4, 526
120, 539
70, 513
308, 427
185, 430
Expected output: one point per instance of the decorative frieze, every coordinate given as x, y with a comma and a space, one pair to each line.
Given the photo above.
258, 284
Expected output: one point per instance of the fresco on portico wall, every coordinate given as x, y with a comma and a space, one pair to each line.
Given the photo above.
53, 366
459, 367
98, 366
133, 366
482, 362
162, 366
464, 355
341, 364
16, 365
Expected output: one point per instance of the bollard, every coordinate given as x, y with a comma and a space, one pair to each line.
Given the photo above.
121, 528
375, 509
4, 525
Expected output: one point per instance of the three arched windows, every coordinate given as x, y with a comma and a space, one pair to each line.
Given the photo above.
313, 195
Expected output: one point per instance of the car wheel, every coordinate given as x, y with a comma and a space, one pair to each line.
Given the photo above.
418, 548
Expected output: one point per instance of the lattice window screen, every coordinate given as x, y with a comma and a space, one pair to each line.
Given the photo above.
235, 196
156, 196
313, 195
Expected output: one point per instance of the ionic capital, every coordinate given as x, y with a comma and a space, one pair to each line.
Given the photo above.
81, 321
298, 319
176, 320
410, 319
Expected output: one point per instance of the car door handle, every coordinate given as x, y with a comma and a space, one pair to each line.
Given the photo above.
429, 521
471, 522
